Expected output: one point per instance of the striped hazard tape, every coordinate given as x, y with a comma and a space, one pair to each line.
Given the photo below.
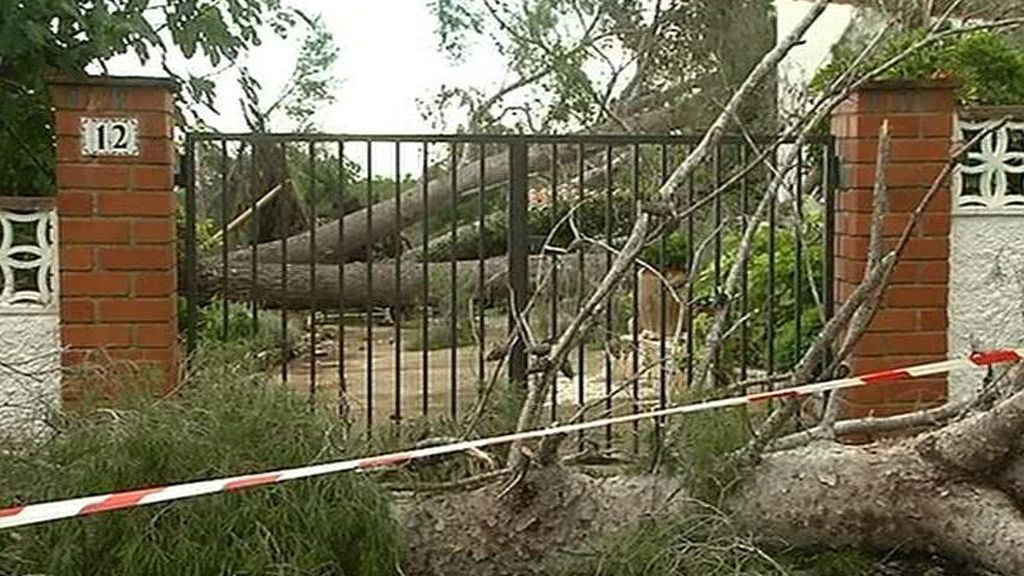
49, 511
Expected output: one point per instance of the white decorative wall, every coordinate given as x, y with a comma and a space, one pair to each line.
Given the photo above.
986, 283
30, 373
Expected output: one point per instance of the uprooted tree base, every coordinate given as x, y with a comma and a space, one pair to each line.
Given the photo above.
956, 492
557, 514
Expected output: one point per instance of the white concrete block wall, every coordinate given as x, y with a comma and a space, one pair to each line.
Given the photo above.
30, 348
986, 275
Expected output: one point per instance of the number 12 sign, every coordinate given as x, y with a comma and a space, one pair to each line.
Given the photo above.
110, 137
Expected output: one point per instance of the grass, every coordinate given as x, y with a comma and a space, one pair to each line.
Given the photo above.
705, 541
697, 448
265, 339
439, 334
498, 416
225, 421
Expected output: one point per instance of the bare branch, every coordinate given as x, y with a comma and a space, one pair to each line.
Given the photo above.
634, 244
880, 206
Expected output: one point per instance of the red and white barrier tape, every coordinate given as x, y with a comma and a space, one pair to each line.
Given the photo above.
49, 511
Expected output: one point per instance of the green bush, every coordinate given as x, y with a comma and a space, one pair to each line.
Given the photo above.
204, 230
264, 340
26, 141
787, 348
675, 255
225, 422
989, 68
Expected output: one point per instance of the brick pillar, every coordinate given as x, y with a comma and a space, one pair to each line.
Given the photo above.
910, 326
117, 231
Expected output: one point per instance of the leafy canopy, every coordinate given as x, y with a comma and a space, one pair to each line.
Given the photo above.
40, 37
988, 65
576, 63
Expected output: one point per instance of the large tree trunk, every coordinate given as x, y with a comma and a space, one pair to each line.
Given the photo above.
322, 284
299, 285
528, 531
881, 498
957, 491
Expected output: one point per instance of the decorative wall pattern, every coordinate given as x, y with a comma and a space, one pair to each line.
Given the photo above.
27, 259
986, 269
991, 177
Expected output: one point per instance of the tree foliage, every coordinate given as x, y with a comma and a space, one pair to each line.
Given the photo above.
40, 37
576, 63
988, 65
309, 88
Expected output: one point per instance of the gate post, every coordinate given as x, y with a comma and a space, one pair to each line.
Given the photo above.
518, 256
910, 326
115, 199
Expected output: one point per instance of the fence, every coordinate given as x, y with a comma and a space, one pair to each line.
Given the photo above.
396, 295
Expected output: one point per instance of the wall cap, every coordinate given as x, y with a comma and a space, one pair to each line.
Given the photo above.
1014, 112
34, 203
901, 84
168, 84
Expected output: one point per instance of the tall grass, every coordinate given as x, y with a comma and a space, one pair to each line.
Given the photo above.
224, 421
703, 541
706, 541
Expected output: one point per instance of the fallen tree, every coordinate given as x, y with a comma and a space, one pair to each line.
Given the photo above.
955, 490
384, 283
348, 238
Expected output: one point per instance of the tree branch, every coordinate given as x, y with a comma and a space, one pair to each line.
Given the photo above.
624, 262
863, 316
980, 443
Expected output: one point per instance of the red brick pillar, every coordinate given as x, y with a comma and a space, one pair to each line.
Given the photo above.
910, 326
117, 229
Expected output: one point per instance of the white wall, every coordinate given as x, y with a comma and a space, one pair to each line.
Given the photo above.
986, 284
30, 349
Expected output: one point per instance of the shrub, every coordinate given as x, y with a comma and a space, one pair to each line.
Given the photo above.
227, 421
787, 348
675, 256
264, 340
988, 66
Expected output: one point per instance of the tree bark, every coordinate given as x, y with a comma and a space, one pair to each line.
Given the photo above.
882, 498
298, 286
956, 490
561, 514
928, 493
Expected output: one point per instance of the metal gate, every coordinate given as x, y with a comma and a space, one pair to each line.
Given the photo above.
384, 273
